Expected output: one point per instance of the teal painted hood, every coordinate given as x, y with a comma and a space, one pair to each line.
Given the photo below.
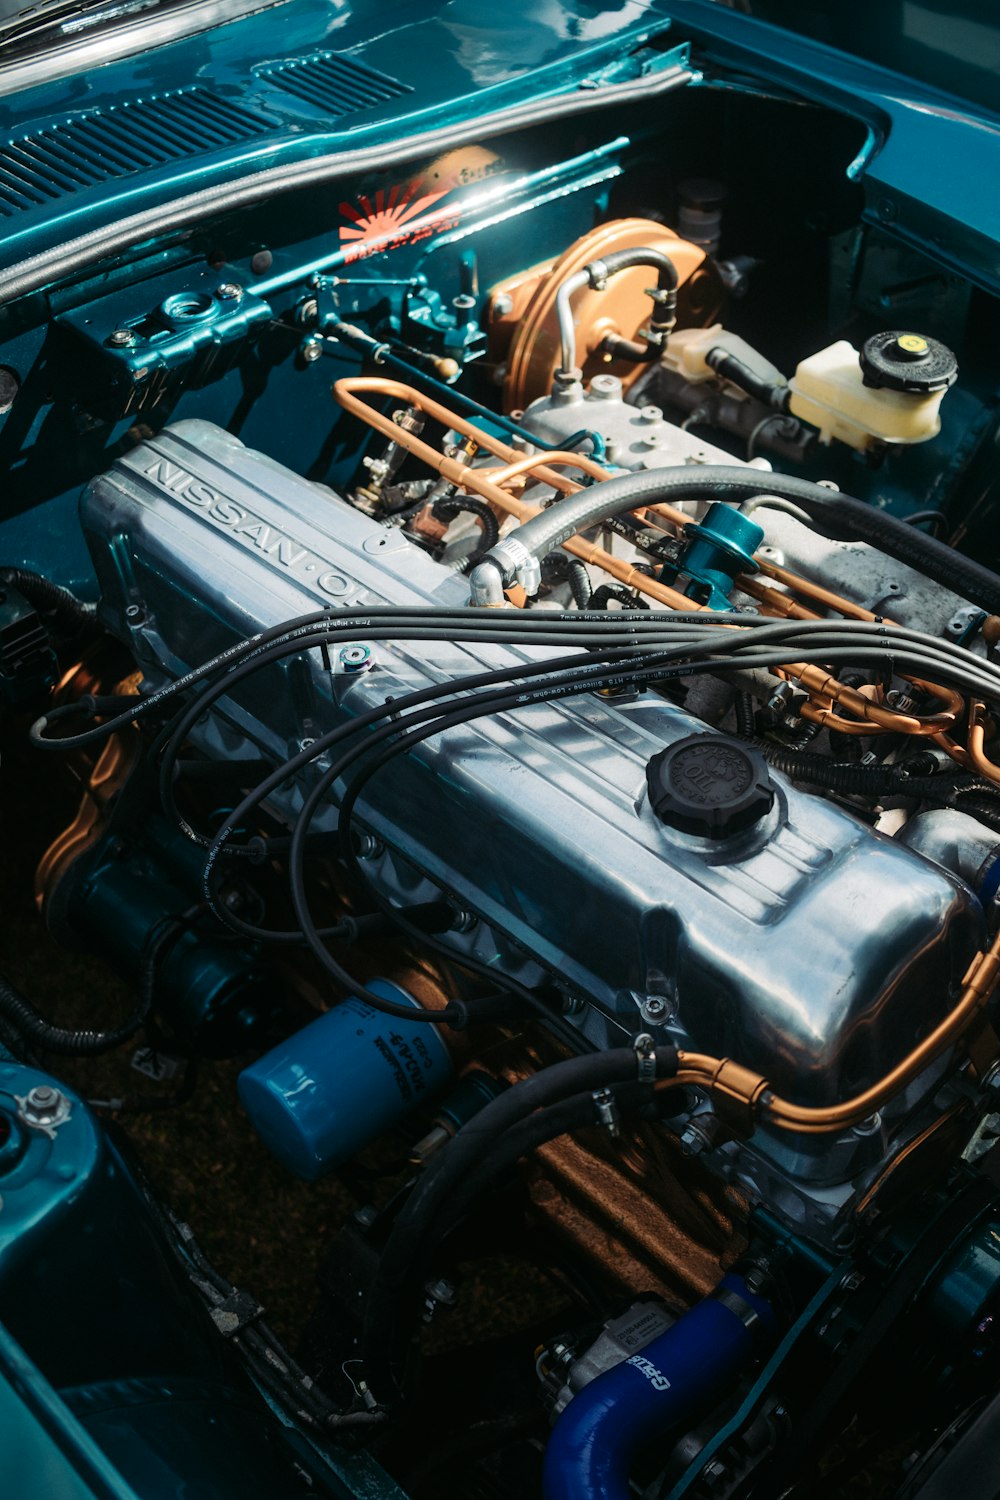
952, 45
97, 159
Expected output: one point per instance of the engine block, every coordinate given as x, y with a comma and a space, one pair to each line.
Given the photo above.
813, 949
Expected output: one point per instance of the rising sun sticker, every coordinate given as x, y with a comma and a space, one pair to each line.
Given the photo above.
395, 216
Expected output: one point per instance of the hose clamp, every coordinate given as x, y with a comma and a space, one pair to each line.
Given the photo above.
645, 1055
741, 1309
597, 271
516, 563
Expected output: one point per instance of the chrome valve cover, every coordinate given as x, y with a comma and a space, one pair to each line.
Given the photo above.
808, 947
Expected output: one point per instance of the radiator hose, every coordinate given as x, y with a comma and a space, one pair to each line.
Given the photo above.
665, 1388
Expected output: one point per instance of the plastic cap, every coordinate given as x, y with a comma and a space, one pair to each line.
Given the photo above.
709, 784
900, 361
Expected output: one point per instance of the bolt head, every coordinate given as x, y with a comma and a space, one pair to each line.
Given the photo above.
464, 921
606, 387
44, 1106
122, 338
229, 291
42, 1096
355, 658
503, 305
311, 351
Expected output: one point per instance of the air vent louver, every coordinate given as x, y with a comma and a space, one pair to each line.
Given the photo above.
334, 84
103, 146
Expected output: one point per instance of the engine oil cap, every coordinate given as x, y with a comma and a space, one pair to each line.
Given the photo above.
709, 784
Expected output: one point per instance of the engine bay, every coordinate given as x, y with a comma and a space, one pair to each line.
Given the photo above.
505, 648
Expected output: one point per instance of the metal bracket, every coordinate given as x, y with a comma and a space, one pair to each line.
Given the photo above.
607, 1111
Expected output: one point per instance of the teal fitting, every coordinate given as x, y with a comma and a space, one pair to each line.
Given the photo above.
716, 549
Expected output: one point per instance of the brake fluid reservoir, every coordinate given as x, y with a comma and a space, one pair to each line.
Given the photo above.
889, 393
328, 1090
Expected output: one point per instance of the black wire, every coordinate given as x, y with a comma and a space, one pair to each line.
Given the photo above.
919, 517
579, 581
403, 738
402, 1259
455, 505
579, 681
312, 630
602, 596
475, 707
301, 634
51, 598
321, 746
433, 721
25, 1020
635, 628
746, 716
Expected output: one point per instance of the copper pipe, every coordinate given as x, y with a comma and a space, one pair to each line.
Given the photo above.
468, 478
378, 385
827, 717
972, 757
718, 1075
530, 462
953, 702
978, 986
820, 684
779, 604
976, 743
477, 480
809, 590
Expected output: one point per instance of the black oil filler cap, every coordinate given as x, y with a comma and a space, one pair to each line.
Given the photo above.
710, 785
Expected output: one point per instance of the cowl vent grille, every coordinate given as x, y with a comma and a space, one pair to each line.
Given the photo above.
105, 145
334, 84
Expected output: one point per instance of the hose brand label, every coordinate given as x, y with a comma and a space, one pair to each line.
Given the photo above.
656, 1378
251, 531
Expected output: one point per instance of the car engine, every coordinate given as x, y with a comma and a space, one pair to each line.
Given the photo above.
552, 781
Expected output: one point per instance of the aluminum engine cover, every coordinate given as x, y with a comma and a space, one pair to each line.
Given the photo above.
815, 950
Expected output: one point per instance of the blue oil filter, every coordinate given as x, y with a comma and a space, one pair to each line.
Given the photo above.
343, 1080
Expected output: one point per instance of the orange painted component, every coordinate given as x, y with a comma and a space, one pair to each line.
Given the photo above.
623, 308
